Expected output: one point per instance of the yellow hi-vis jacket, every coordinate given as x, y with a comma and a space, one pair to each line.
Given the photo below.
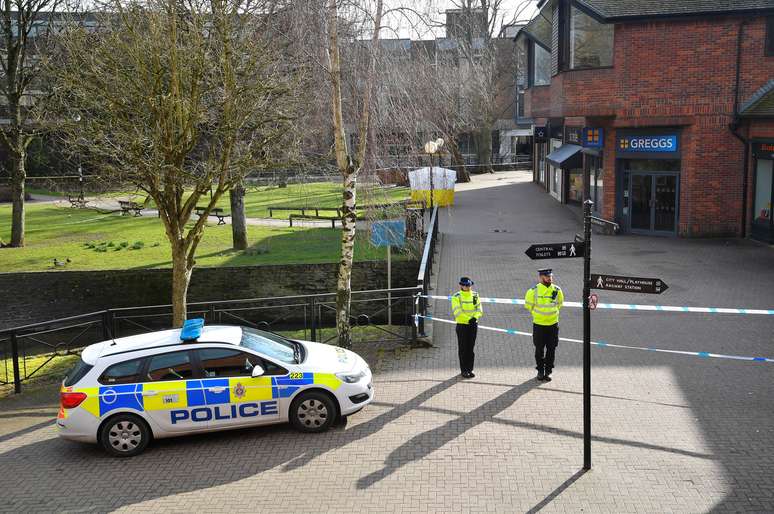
544, 303
466, 305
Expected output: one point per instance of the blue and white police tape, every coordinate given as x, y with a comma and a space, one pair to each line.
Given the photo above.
628, 307
602, 344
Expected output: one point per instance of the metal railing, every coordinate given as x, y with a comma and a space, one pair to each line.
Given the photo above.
28, 349
426, 269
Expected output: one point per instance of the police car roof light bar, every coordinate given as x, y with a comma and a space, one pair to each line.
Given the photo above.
192, 329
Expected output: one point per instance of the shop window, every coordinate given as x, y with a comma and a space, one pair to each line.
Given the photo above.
770, 36
596, 183
591, 42
763, 195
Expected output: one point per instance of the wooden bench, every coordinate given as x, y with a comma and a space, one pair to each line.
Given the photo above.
127, 207
337, 210
303, 210
332, 219
218, 212
77, 201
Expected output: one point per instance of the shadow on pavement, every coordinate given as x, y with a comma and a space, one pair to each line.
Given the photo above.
425, 443
34, 472
556, 492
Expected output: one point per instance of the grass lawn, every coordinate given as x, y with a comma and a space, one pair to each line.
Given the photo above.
257, 199
50, 373
94, 241
320, 194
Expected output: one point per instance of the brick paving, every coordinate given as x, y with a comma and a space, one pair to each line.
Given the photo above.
671, 434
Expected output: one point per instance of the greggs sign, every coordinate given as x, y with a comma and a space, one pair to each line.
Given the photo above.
647, 144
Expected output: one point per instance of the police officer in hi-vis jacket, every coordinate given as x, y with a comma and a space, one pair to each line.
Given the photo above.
544, 301
466, 309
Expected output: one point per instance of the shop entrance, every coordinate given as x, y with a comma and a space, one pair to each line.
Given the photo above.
653, 202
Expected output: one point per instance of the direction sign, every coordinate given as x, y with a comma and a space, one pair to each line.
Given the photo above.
555, 250
628, 284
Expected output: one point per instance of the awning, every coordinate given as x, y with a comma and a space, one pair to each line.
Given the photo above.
760, 104
566, 157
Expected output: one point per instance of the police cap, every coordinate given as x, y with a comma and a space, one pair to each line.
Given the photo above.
546, 271
465, 281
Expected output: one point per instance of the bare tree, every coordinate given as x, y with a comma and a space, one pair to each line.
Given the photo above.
180, 98
489, 61
25, 27
349, 162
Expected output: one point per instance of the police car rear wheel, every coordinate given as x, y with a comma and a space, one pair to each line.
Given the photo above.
124, 435
313, 412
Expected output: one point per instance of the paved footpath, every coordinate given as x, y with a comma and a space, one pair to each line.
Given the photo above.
671, 433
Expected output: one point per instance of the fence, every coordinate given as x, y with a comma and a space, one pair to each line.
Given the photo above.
31, 348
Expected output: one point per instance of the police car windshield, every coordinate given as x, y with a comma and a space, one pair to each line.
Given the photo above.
269, 344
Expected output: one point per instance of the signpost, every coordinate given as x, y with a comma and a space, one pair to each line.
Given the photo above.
556, 250
628, 284
581, 247
389, 234
587, 334
577, 249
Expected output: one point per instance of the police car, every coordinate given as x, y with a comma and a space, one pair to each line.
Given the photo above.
127, 391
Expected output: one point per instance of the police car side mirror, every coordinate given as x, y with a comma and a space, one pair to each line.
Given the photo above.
257, 371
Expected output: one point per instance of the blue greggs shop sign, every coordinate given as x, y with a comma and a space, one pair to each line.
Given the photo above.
647, 144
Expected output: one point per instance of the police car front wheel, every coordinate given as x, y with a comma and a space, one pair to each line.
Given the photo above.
124, 435
313, 412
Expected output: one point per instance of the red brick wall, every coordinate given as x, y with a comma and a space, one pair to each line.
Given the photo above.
682, 73
537, 102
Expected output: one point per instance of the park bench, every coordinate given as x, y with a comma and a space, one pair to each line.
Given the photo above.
332, 219
303, 210
77, 201
127, 207
218, 212
401, 203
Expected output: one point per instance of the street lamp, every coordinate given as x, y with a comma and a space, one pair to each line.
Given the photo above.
433, 147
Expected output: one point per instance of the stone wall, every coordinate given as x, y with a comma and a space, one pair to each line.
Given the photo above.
41, 296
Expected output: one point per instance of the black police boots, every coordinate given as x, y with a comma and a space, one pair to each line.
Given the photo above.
547, 376
540, 375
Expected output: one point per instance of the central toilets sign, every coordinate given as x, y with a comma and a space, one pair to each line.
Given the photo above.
647, 144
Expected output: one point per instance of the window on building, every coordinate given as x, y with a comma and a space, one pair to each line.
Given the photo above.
770, 35
591, 42
541, 68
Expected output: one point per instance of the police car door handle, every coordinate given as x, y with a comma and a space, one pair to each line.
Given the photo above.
216, 389
150, 393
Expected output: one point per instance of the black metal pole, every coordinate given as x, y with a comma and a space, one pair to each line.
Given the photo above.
587, 334
431, 181
15, 359
313, 320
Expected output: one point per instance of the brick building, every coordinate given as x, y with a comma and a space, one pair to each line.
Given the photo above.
662, 113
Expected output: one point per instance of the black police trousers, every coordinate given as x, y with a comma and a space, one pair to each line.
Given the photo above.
545, 339
466, 340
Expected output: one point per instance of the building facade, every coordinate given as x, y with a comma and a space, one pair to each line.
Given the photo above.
661, 113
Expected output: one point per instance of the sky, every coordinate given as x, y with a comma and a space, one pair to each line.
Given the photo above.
402, 27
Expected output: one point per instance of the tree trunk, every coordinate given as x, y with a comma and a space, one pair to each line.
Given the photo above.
484, 145
458, 161
19, 155
344, 285
181, 277
238, 223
